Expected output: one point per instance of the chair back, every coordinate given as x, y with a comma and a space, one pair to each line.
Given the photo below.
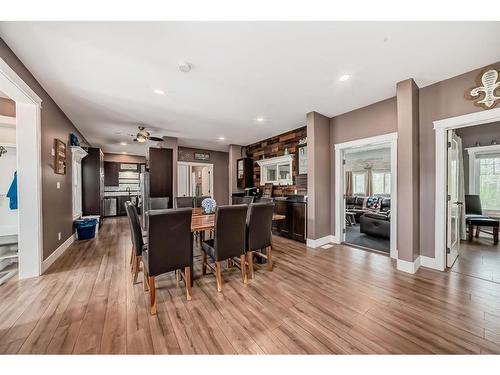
198, 200
230, 227
135, 228
184, 202
243, 200
159, 203
170, 241
473, 205
265, 200
259, 226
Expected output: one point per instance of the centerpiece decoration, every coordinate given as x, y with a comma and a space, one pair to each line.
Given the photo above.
208, 205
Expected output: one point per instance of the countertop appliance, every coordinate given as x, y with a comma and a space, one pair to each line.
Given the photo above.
109, 206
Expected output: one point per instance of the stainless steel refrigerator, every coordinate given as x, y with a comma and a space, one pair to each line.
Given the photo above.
144, 201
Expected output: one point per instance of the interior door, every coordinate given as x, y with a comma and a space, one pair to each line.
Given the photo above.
454, 205
183, 180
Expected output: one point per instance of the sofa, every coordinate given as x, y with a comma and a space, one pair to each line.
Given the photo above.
376, 224
372, 213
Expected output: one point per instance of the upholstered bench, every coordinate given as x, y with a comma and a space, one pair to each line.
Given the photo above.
482, 221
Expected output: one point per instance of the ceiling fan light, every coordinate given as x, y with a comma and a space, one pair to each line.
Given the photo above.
140, 138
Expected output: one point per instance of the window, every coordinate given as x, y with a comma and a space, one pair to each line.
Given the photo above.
359, 180
489, 182
381, 183
277, 171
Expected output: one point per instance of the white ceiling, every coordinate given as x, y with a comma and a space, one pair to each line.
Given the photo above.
103, 74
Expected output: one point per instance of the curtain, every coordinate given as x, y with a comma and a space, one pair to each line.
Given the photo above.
348, 183
369, 182
461, 187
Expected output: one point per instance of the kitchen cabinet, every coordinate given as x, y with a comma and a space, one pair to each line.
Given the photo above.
244, 173
111, 173
294, 224
161, 173
93, 182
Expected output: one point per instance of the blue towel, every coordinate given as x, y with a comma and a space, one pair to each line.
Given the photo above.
12, 193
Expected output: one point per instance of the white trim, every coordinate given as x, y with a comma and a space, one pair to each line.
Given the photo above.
277, 161
320, 241
441, 127
191, 164
429, 262
340, 148
474, 164
7, 120
29, 170
58, 252
409, 267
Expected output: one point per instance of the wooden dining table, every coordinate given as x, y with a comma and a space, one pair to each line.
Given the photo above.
201, 221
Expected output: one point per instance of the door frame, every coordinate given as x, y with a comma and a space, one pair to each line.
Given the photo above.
392, 140
29, 170
197, 164
441, 128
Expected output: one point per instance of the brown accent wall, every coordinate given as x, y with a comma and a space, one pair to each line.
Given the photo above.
220, 160
275, 146
121, 158
441, 100
56, 203
319, 214
7, 107
375, 119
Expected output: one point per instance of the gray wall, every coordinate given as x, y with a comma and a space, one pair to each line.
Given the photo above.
56, 203
220, 160
375, 119
121, 158
318, 176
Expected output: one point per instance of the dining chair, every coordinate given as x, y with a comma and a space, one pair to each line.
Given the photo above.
258, 234
158, 203
170, 248
199, 200
265, 200
228, 242
138, 244
183, 202
243, 200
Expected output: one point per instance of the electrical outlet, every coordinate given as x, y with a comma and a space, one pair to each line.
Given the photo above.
58, 184
59, 236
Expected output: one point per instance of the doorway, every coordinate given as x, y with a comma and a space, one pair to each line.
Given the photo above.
29, 176
195, 179
366, 191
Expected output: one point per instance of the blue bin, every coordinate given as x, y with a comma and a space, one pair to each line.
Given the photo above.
85, 228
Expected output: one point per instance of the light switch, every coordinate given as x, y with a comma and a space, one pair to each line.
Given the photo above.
58, 185
59, 236
53, 152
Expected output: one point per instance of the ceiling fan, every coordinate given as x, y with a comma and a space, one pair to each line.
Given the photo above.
143, 136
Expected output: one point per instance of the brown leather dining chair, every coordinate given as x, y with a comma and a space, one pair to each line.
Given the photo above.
184, 202
228, 242
243, 200
258, 234
170, 248
138, 244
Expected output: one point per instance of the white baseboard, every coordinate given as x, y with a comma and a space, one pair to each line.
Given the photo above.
320, 241
58, 252
409, 267
430, 263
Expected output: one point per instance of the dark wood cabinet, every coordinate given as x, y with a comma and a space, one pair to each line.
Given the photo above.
111, 173
93, 182
244, 173
294, 225
161, 173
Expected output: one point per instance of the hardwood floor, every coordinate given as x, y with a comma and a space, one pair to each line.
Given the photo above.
339, 300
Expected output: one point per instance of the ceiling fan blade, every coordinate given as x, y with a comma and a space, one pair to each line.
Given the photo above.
156, 139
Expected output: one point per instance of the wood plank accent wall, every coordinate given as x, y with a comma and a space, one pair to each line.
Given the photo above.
275, 146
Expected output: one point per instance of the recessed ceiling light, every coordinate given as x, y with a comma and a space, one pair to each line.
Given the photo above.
221, 138
259, 119
344, 77
184, 67
159, 92
123, 143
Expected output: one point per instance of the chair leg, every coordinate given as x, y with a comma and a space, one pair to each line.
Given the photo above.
471, 231
495, 235
131, 257
250, 264
270, 258
152, 295
229, 263
179, 276
145, 282
477, 231
137, 265
204, 264
187, 280
243, 263
218, 276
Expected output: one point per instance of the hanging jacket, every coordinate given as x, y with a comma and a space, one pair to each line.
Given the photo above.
12, 193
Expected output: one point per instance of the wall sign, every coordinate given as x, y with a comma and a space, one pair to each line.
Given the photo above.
59, 157
302, 159
201, 156
487, 94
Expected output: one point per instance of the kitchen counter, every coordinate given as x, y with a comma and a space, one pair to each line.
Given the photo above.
121, 193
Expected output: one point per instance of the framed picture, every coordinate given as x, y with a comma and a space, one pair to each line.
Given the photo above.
302, 159
201, 156
59, 157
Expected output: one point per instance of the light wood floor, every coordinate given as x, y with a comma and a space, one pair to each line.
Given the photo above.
339, 300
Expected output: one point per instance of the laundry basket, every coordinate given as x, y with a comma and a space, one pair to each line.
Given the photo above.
85, 228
